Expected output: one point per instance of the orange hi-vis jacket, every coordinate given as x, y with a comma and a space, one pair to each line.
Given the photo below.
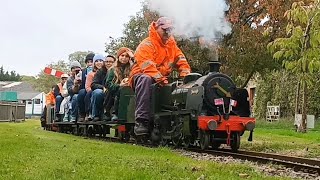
50, 99
156, 59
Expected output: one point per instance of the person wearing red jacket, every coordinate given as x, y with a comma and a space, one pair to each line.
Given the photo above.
154, 59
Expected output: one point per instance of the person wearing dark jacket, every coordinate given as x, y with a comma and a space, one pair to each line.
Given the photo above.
82, 91
98, 90
97, 64
108, 100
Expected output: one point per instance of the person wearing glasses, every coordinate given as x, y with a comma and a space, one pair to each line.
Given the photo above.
155, 57
109, 61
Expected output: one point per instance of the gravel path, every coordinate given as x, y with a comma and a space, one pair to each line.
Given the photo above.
267, 169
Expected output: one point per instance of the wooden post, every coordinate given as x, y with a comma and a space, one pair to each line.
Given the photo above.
304, 108
48, 118
297, 98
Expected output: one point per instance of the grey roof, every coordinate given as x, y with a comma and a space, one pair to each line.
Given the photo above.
27, 95
24, 90
16, 86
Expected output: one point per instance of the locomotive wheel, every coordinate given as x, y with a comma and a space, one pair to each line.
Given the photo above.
90, 131
124, 136
155, 137
235, 143
176, 141
99, 130
80, 131
204, 140
141, 139
75, 131
104, 131
137, 140
186, 141
164, 142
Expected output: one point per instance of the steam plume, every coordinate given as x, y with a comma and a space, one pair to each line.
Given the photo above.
192, 18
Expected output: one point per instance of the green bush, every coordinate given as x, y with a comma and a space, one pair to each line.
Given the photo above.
279, 88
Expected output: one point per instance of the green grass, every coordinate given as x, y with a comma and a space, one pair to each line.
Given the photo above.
280, 137
283, 124
27, 152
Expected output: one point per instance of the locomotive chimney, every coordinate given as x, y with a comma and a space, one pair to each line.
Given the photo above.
214, 66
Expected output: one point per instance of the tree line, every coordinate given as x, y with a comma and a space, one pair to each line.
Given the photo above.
9, 76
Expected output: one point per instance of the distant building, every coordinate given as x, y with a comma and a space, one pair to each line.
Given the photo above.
33, 99
251, 88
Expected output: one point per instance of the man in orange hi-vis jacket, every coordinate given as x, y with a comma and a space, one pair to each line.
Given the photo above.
154, 60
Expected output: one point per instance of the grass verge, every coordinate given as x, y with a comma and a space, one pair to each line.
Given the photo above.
280, 137
27, 152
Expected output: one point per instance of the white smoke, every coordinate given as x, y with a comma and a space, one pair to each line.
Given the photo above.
191, 18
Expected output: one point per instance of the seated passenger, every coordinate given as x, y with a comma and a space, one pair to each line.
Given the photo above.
82, 91
108, 101
118, 77
50, 98
50, 101
97, 64
98, 88
109, 61
155, 58
58, 96
73, 86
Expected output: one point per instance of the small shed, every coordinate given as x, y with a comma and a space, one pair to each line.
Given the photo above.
34, 100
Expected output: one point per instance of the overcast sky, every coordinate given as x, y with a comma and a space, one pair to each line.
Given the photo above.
35, 33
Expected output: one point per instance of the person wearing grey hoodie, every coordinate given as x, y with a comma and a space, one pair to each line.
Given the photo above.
73, 86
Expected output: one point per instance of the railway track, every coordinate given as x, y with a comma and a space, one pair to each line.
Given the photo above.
296, 163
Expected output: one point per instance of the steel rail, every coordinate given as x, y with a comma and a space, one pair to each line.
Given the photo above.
296, 163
